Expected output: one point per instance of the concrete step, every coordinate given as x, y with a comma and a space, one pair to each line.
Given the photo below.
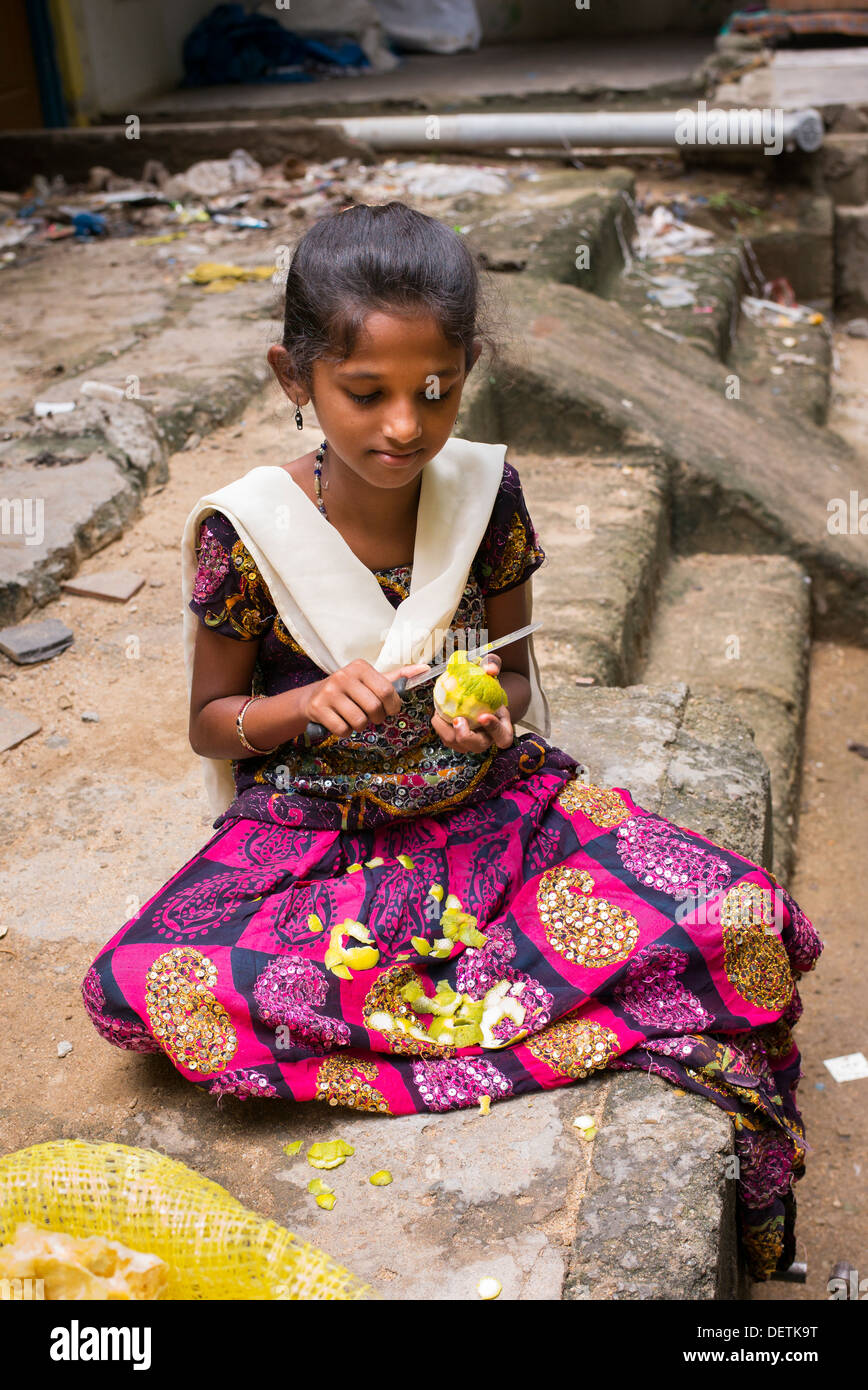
787, 366
738, 626
714, 284
604, 524
844, 162
574, 231
745, 478
851, 260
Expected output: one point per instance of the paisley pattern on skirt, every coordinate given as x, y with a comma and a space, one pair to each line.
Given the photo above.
612, 938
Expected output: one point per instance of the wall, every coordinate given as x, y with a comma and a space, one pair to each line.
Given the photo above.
505, 20
130, 48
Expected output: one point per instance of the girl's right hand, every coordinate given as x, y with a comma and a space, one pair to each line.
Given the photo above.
355, 696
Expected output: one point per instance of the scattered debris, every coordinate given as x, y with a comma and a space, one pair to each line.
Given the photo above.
291, 1149
780, 291
330, 1153
90, 716
770, 313
101, 390
64, 1048
858, 328
853, 1066
671, 292
44, 408
423, 180
218, 277
485, 1105
860, 748
324, 1195
211, 177
381, 1178
489, 1288
663, 234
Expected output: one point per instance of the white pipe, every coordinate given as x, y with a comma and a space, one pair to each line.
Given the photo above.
768, 127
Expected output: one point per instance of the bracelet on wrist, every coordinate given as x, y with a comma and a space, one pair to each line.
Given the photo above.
239, 726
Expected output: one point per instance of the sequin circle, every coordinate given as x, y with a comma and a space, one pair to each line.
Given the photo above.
574, 1047
586, 930
188, 1022
602, 805
755, 961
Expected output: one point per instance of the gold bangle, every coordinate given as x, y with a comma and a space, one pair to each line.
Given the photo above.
239, 725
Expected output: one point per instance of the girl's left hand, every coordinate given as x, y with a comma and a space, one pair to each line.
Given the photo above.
494, 728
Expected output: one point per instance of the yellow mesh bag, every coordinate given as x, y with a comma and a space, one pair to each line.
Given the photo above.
215, 1247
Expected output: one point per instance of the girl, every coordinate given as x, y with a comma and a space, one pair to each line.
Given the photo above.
410, 913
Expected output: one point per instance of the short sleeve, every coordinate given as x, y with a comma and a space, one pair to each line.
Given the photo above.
229, 594
510, 551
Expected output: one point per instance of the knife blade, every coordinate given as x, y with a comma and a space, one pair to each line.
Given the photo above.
314, 732
472, 654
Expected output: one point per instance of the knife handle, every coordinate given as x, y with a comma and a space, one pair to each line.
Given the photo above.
315, 733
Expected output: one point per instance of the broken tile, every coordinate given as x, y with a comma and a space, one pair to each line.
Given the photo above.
117, 585
15, 727
29, 642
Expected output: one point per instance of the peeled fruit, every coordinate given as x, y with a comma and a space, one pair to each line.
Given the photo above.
465, 691
74, 1268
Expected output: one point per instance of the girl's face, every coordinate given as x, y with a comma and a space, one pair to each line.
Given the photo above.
389, 407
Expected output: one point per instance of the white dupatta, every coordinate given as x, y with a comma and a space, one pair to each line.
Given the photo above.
329, 601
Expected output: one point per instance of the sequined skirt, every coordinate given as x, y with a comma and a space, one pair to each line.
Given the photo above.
515, 945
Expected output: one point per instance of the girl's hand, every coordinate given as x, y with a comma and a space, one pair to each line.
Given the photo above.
355, 696
494, 728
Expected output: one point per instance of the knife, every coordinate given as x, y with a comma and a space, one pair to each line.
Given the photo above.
315, 732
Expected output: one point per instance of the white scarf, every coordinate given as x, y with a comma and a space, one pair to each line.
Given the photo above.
329, 601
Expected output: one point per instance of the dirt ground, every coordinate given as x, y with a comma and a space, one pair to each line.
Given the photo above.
832, 1199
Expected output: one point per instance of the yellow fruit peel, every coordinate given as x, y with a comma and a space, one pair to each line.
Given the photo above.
329, 1153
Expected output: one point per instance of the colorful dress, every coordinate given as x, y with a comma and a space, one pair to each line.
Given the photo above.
383, 923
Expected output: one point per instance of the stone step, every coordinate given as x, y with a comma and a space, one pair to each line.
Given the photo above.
851, 260
604, 525
713, 283
745, 477
575, 230
787, 366
738, 626
844, 162
69, 486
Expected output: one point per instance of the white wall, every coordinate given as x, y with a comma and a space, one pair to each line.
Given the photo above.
131, 48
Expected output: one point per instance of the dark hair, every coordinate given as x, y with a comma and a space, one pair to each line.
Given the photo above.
376, 258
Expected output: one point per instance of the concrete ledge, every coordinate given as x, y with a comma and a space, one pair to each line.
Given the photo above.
707, 604
87, 472
658, 1217
605, 527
